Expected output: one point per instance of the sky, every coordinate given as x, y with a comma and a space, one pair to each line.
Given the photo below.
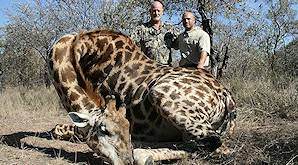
8, 4
4, 4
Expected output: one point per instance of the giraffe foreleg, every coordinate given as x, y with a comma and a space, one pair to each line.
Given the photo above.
149, 156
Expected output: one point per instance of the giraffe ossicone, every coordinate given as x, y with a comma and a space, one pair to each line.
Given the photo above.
162, 104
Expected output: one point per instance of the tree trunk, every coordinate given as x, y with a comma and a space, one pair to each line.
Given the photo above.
207, 24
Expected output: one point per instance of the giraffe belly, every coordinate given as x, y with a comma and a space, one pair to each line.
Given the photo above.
165, 132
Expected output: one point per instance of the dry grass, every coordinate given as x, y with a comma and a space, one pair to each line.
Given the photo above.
267, 122
26, 116
267, 128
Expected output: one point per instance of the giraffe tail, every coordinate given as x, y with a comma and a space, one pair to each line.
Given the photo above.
230, 108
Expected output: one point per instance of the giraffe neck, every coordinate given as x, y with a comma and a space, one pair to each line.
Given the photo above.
90, 65
77, 94
117, 66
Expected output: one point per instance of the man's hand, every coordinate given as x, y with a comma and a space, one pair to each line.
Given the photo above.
200, 66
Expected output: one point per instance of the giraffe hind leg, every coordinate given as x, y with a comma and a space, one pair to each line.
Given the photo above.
148, 156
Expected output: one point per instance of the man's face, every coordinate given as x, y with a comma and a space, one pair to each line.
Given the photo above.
156, 11
188, 20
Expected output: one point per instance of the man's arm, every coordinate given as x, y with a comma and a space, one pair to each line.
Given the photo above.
204, 44
202, 59
171, 40
175, 40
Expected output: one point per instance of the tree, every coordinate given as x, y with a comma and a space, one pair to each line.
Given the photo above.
288, 63
280, 18
37, 25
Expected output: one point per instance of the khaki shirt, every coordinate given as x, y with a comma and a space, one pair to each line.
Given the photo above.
191, 44
156, 44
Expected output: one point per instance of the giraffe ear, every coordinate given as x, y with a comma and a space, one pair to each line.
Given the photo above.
79, 119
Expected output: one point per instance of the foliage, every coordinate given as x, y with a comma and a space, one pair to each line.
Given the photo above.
287, 59
37, 25
22, 70
253, 45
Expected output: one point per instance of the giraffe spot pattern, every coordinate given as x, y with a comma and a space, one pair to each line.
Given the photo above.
91, 65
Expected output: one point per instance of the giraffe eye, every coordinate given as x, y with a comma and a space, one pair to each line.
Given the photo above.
103, 130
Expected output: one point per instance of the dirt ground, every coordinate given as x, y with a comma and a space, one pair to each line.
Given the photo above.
27, 118
24, 140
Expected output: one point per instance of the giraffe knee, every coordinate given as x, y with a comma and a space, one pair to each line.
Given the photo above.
63, 131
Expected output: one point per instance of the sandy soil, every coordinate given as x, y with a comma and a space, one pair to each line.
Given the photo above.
24, 140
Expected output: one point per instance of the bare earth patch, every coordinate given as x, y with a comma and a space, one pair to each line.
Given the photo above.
24, 140
26, 119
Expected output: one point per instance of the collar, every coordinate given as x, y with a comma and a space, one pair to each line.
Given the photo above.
149, 24
195, 28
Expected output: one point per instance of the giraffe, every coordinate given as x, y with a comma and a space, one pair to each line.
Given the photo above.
162, 103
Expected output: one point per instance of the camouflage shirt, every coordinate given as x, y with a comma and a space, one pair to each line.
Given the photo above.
156, 44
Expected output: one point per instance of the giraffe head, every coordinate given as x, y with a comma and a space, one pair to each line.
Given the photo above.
109, 133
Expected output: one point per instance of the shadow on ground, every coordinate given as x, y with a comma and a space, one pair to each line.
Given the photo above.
17, 140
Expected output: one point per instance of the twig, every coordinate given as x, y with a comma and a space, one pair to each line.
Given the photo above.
269, 145
76, 157
260, 110
292, 160
238, 140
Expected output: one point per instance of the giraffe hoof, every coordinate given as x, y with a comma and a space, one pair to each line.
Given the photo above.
223, 150
141, 158
149, 161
